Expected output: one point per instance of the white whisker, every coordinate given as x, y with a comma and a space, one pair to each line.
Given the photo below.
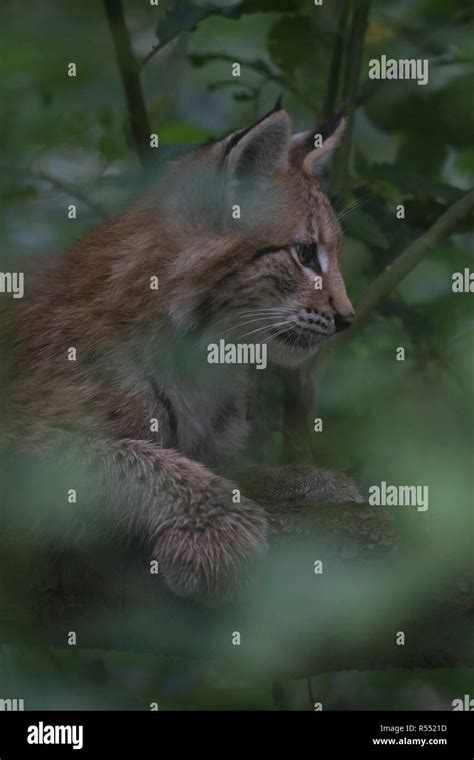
266, 327
275, 335
232, 328
354, 205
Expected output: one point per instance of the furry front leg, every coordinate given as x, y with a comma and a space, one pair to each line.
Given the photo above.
206, 546
203, 534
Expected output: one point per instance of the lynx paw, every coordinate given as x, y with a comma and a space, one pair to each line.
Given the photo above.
206, 549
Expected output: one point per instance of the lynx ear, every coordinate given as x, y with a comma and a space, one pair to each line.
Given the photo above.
309, 150
261, 149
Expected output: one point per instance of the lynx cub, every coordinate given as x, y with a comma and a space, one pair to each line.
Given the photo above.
110, 343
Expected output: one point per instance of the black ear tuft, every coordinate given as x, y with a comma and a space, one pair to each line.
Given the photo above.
328, 127
278, 105
233, 139
306, 152
262, 148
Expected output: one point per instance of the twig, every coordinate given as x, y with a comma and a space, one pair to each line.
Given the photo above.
137, 113
297, 399
156, 49
233, 11
261, 67
395, 272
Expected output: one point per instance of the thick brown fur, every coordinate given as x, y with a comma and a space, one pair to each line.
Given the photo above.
141, 352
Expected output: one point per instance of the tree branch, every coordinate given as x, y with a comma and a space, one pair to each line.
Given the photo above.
392, 275
231, 12
155, 49
129, 74
297, 399
293, 623
262, 68
395, 272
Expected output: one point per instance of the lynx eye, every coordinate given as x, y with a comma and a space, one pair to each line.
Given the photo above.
308, 255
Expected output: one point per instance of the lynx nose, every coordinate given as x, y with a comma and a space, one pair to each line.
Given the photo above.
343, 321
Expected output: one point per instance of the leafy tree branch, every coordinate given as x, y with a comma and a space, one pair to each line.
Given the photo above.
186, 18
115, 602
262, 68
395, 272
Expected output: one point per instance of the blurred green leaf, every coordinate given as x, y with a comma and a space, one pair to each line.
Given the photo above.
184, 17
291, 42
269, 6
181, 133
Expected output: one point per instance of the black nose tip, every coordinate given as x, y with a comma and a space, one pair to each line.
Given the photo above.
343, 321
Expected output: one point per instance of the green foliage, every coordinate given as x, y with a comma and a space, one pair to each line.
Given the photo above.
281, 42
184, 17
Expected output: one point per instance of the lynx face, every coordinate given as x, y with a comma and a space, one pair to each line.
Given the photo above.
259, 254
